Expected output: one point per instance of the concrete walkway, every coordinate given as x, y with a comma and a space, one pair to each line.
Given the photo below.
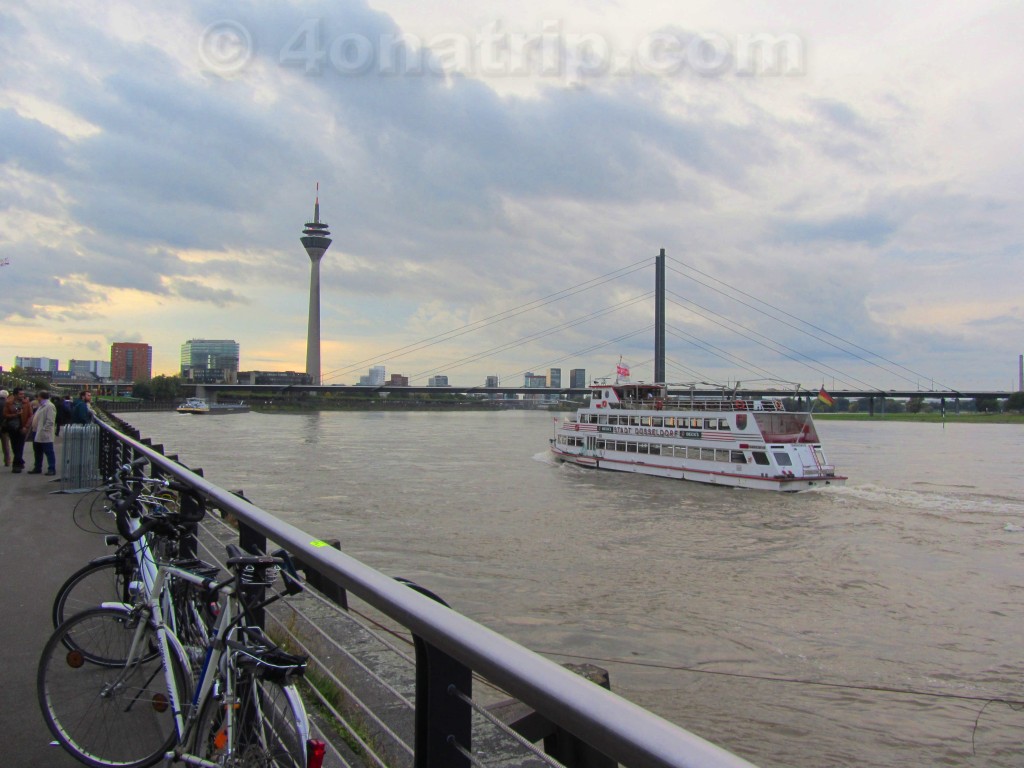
40, 546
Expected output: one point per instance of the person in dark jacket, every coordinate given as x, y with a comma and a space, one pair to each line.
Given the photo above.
82, 412
17, 411
65, 412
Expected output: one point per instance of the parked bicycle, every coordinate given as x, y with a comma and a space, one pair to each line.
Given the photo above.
115, 686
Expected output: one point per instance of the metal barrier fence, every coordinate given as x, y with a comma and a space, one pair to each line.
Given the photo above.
593, 727
79, 457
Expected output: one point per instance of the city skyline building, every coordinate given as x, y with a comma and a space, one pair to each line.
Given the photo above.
130, 361
100, 369
37, 363
578, 378
437, 381
555, 378
210, 361
316, 240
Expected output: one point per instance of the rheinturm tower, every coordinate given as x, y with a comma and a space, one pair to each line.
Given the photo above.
316, 241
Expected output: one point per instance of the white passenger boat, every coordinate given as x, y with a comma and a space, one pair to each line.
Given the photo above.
198, 406
723, 440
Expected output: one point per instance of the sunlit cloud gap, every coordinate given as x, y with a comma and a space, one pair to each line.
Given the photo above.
499, 317
800, 320
768, 343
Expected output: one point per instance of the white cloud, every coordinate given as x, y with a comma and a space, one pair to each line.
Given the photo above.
153, 185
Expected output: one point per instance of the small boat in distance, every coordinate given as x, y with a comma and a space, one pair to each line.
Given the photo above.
198, 406
717, 439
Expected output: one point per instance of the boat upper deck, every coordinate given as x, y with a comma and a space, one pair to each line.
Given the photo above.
655, 397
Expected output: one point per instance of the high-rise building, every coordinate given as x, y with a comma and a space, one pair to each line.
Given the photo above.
491, 382
316, 240
578, 378
131, 361
37, 363
100, 369
535, 380
377, 375
398, 380
437, 381
210, 361
555, 378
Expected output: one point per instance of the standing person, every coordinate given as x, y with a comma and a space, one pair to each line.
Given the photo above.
5, 438
82, 413
17, 411
44, 422
65, 410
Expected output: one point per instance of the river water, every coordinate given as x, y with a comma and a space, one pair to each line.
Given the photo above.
715, 608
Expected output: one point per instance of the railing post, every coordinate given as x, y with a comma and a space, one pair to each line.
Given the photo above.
442, 718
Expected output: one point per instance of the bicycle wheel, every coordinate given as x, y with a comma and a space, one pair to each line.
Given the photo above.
270, 728
104, 713
104, 579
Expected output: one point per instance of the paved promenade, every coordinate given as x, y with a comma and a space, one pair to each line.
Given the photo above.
40, 546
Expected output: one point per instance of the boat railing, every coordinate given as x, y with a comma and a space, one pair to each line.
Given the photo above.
685, 403
591, 726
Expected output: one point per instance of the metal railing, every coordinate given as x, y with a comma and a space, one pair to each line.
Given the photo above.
594, 727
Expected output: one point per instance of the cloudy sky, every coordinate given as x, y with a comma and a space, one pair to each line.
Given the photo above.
836, 185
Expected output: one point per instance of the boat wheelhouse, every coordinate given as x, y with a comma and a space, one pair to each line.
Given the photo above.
194, 405
717, 439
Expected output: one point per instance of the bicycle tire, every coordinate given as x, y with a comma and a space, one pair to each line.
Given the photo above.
102, 580
106, 715
271, 726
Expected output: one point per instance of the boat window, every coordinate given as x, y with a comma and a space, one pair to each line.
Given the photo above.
707, 454
620, 446
602, 419
723, 424
631, 447
655, 450
737, 457
692, 453
641, 448
710, 424
607, 395
783, 459
670, 421
695, 423
656, 421
820, 456
760, 457
634, 421
645, 421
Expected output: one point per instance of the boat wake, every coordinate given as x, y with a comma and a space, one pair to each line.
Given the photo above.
946, 501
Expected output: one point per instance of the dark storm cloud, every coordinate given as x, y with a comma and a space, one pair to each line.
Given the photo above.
30, 145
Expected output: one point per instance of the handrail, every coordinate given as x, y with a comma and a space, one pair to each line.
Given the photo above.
614, 726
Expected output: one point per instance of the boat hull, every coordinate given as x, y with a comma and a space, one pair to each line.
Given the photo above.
698, 475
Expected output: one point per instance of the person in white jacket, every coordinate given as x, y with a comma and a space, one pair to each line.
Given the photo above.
44, 424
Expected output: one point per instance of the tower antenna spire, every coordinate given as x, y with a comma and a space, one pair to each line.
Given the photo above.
316, 239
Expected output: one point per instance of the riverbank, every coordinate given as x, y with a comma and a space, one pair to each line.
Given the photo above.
928, 418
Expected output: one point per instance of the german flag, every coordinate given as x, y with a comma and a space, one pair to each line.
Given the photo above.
826, 398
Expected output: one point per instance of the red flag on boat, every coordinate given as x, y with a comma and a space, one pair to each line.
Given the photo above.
826, 398
622, 370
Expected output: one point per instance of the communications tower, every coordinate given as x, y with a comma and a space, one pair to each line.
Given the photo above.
316, 241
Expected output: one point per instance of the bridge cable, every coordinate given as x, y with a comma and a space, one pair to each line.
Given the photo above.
805, 322
731, 323
495, 318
